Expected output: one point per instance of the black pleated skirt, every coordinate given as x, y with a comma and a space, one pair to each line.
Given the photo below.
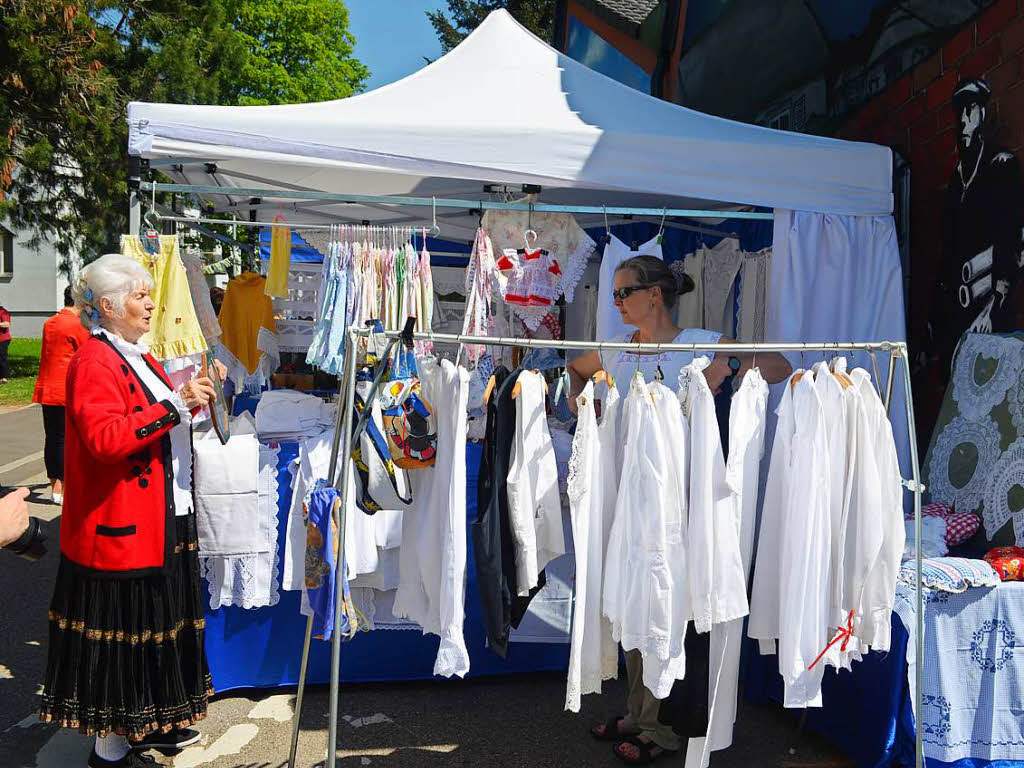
128, 656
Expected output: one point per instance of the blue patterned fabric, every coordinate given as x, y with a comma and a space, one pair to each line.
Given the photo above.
973, 699
950, 574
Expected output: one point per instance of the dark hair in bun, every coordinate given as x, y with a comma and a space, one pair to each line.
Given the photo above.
651, 271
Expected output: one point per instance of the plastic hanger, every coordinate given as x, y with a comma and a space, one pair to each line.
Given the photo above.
526, 239
607, 229
518, 386
661, 227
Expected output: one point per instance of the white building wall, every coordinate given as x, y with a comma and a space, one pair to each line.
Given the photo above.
34, 290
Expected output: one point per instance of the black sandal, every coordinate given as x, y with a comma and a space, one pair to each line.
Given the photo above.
611, 730
645, 749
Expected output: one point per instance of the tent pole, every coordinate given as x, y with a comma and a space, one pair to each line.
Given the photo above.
344, 453
919, 607
440, 202
297, 714
342, 425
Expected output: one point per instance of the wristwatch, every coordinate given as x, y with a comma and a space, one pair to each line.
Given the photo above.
734, 364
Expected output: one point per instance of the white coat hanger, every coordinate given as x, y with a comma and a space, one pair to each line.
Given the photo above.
607, 229
661, 227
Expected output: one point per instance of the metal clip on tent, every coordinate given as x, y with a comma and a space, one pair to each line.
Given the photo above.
342, 447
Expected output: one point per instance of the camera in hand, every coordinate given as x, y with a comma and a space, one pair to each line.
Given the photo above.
32, 542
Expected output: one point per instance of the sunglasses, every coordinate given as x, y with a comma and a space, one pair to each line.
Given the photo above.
624, 293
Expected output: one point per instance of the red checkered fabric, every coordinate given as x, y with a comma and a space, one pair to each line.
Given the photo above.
935, 509
960, 526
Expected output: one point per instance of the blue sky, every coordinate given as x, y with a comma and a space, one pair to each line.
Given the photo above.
393, 36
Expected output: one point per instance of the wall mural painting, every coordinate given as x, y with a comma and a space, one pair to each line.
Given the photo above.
982, 257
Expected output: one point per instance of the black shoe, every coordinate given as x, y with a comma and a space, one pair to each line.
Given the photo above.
175, 739
131, 760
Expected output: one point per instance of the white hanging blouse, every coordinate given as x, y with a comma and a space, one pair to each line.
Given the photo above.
534, 504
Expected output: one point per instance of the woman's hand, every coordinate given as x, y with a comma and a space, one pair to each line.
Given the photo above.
198, 393
222, 371
716, 372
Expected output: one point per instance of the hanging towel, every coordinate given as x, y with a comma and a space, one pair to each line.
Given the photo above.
226, 492
280, 258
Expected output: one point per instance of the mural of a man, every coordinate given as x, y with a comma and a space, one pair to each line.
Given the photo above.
981, 230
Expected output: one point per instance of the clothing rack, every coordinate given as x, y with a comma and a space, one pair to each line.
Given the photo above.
342, 447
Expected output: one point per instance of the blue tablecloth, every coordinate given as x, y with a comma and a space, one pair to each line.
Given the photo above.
262, 648
866, 712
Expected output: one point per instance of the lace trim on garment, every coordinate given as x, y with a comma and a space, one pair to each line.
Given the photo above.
576, 265
452, 658
1007, 473
125, 347
975, 399
578, 482
240, 575
984, 436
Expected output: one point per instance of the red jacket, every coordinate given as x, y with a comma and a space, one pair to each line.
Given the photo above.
63, 334
118, 516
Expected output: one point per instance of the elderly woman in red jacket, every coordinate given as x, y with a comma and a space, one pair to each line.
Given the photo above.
126, 660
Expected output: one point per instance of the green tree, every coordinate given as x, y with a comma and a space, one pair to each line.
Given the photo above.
464, 16
69, 67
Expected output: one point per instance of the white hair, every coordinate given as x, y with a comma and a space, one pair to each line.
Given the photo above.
112, 277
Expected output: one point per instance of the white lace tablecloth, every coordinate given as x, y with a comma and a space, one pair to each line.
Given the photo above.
973, 681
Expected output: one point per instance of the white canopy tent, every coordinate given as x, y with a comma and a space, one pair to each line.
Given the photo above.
506, 108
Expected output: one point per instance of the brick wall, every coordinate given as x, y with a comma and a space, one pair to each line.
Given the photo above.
915, 117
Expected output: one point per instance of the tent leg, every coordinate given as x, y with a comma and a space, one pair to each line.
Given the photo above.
297, 716
342, 427
919, 638
345, 418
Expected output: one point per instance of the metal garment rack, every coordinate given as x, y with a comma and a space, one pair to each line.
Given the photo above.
265, 193
342, 447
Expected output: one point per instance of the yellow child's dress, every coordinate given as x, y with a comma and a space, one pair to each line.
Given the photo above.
174, 329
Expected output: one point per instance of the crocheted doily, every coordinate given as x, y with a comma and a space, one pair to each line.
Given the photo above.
985, 368
955, 442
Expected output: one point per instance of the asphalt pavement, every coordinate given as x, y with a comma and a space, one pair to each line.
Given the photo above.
493, 722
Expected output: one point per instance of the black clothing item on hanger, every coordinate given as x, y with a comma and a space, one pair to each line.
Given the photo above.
493, 544
686, 706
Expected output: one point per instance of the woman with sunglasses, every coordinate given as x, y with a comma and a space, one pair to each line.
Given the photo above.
646, 292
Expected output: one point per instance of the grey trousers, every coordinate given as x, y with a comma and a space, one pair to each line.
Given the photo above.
642, 708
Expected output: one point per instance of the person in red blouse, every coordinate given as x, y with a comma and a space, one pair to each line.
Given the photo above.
126, 658
5, 342
63, 334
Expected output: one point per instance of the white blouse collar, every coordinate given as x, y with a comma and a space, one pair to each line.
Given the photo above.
122, 345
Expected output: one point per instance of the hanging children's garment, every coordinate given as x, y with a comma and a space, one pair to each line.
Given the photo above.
432, 562
753, 298
534, 506
557, 233
200, 291
747, 415
477, 319
493, 543
721, 265
174, 330
609, 319
718, 589
530, 282
690, 309
875, 605
280, 258
425, 295
644, 597
791, 581
226, 479
248, 345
